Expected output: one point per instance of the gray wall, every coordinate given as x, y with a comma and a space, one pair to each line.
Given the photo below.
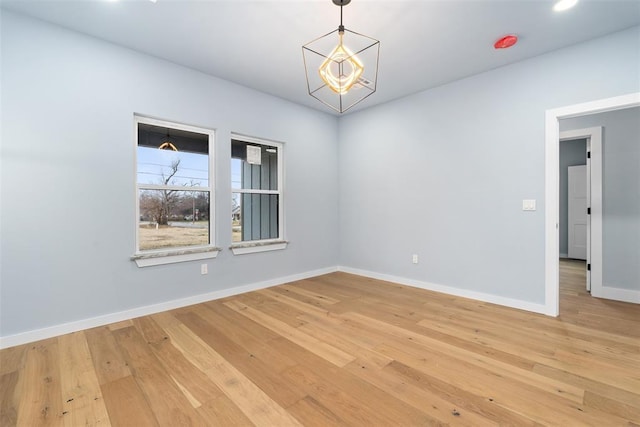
572, 153
443, 173
68, 213
620, 194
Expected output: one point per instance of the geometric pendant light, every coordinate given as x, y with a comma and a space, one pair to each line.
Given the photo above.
341, 66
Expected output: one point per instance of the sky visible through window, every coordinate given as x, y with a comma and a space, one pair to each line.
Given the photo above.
236, 181
236, 173
154, 166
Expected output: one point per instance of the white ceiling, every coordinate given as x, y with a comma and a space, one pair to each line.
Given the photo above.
258, 43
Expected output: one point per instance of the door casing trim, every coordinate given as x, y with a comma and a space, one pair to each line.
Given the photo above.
552, 165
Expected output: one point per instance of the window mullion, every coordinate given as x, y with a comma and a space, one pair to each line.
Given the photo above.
172, 187
252, 191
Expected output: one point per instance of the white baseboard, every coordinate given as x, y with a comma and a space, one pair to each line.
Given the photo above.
494, 299
66, 328
618, 294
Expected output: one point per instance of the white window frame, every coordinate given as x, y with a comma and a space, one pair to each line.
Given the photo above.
264, 245
174, 254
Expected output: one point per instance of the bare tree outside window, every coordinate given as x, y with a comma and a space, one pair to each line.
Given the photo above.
161, 207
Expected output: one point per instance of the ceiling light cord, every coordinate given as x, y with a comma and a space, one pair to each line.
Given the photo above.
341, 3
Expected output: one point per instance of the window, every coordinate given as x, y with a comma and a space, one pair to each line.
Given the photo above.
256, 188
174, 177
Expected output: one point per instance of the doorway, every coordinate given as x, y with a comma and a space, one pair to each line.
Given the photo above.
577, 212
552, 138
589, 219
572, 197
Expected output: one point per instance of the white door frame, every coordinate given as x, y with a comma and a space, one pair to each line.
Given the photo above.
552, 167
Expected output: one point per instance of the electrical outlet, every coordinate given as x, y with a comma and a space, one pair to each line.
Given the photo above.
414, 259
204, 269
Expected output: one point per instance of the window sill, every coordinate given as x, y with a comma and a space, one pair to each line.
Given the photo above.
254, 247
170, 257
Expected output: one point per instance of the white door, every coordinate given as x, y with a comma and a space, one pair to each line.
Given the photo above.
577, 210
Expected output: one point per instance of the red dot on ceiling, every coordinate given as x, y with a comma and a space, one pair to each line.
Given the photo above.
506, 41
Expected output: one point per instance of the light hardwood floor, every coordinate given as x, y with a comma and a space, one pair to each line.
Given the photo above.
338, 350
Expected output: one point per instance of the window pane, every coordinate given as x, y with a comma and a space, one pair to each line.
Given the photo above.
254, 166
168, 167
171, 218
236, 174
254, 217
236, 215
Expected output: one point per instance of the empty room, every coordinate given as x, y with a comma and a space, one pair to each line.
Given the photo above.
321, 212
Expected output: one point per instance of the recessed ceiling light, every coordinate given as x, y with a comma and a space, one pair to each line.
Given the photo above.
506, 41
562, 5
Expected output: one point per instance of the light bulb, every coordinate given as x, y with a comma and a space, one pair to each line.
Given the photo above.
341, 69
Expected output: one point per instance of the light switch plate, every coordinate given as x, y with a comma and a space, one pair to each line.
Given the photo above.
529, 205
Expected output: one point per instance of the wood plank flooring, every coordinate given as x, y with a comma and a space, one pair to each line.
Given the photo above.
338, 350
